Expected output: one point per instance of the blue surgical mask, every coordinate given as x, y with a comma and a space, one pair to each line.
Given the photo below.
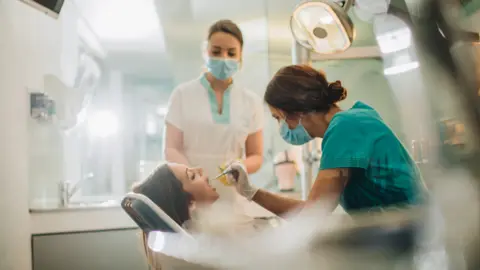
221, 68
296, 136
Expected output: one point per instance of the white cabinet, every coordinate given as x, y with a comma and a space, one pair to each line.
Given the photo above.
119, 249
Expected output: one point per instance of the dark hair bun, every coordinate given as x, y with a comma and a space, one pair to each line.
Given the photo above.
336, 92
303, 89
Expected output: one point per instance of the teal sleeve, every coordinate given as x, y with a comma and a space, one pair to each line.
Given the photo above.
345, 145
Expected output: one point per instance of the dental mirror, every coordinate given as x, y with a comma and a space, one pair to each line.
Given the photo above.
322, 26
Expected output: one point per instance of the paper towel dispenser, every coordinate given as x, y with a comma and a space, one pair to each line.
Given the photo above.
51, 8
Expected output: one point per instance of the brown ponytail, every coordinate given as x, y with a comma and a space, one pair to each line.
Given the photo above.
302, 89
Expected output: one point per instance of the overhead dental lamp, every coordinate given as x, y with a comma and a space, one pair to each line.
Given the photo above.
323, 26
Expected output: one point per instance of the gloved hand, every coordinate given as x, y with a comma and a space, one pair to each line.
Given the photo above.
222, 168
224, 179
239, 178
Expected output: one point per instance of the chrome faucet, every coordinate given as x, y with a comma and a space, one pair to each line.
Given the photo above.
66, 192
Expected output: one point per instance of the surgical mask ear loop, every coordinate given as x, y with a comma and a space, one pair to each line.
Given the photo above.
300, 123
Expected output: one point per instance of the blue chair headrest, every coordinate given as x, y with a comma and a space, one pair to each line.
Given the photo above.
144, 216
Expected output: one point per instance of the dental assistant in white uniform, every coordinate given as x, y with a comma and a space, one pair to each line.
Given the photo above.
211, 120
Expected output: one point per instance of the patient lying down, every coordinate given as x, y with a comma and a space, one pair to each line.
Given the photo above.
175, 188
186, 195
309, 239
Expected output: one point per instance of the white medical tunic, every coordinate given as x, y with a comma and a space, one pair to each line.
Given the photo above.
210, 139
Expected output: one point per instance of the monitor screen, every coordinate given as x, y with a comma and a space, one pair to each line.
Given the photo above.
49, 7
53, 5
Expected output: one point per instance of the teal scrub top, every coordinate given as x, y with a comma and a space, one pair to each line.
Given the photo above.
382, 172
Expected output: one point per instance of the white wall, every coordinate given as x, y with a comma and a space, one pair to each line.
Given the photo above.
31, 45
56, 53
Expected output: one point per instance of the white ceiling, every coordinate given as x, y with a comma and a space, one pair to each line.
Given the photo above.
205, 10
124, 25
157, 37
148, 36
145, 36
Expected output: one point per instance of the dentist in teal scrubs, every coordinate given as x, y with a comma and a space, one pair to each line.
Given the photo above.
364, 166
212, 120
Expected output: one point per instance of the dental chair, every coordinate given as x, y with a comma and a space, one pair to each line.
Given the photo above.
148, 216
154, 222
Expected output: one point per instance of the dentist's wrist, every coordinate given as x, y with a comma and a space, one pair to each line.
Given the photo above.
250, 192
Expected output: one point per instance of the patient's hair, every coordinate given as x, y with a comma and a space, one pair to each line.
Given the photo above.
166, 191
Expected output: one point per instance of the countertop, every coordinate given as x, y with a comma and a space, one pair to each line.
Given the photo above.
88, 219
108, 216
49, 218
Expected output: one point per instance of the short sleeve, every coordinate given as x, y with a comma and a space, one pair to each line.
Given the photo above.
345, 145
257, 121
174, 109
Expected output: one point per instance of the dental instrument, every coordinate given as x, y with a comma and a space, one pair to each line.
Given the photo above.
223, 179
223, 173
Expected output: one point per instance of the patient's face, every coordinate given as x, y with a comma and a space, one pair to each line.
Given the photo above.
195, 182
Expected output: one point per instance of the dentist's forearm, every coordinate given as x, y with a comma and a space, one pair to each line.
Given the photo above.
176, 156
253, 163
277, 204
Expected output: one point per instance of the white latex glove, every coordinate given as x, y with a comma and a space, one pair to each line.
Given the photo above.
240, 180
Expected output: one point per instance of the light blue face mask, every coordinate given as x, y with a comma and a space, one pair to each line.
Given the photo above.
296, 136
221, 68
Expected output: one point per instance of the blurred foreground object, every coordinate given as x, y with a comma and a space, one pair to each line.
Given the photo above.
449, 65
